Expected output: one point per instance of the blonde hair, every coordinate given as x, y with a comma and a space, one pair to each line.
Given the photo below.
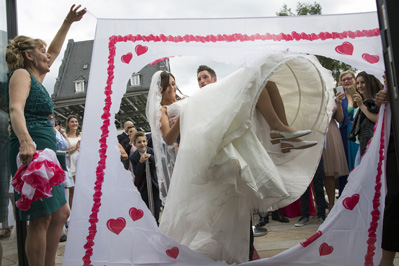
16, 49
346, 73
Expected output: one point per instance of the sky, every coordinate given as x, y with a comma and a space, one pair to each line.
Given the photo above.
42, 18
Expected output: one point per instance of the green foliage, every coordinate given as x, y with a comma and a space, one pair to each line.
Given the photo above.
303, 9
285, 11
335, 66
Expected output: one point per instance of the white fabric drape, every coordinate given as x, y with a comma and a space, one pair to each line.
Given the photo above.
111, 225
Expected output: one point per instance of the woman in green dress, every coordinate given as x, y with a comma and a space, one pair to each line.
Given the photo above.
29, 105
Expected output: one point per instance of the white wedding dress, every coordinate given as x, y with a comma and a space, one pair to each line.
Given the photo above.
227, 166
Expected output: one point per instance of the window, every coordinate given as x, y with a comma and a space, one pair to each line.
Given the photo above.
135, 80
79, 86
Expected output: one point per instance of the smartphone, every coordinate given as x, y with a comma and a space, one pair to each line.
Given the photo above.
340, 89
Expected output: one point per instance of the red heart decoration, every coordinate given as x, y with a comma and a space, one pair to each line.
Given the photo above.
372, 59
126, 58
136, 214
350, 202
325, 249
311, 239
345, 48
116, 225
173, 252
140, 49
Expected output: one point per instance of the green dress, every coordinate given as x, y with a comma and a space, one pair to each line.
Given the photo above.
37, 109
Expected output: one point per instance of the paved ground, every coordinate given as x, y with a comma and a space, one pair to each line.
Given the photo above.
280, 237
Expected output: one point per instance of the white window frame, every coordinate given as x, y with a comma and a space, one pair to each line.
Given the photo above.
79, 86
135, 80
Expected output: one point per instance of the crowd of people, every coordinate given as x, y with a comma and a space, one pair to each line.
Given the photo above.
29, 106
229, 179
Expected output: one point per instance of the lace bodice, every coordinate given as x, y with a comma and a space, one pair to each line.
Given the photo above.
175, 108
38, 105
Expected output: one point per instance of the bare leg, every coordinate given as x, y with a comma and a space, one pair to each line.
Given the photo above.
271, 106
35, 246
277, 101
387, 258
329, 183
54, 232
278, 105
71, 191
266, 108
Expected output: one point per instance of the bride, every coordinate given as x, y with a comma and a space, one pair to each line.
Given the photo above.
226, 164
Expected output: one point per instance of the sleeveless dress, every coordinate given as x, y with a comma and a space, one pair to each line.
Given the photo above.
227, 166
37, 108
345, 127
73, 155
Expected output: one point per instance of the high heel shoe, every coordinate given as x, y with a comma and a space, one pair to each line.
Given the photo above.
288, 135
297, 145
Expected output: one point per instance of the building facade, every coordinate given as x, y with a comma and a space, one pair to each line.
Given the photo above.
72, 82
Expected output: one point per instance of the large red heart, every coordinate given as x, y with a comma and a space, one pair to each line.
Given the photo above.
311, 239
173, 252
136, 214
325, 249
140, 49
372, 59
345, 48
350, 202
126, 58
116, 225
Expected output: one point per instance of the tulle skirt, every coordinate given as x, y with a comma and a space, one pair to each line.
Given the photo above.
227, 166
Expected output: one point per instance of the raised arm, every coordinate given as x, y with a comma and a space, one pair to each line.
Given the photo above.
339, 112
54, 49
19, 88
169, 134
124, 155
371, 116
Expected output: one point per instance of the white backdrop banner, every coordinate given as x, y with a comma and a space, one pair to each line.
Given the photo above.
111, 225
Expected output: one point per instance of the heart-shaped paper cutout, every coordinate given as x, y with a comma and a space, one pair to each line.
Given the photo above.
126, 58
116, 225
325, 249
350, 202
136, 214
173, 252
345, 48
311, 239
140, 49
372, 59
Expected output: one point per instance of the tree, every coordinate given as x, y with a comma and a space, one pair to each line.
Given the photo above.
285, 11
303, 9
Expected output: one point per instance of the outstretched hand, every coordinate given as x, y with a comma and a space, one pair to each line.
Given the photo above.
358, 99
381, 97
75, 14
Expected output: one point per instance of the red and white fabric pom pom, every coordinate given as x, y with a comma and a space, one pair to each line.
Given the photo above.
36, 180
